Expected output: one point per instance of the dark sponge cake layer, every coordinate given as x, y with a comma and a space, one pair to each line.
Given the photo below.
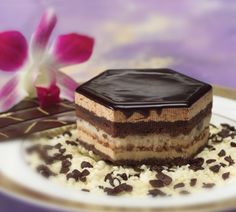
116, 129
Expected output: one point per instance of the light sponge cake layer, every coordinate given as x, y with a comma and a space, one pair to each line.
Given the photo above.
164, 114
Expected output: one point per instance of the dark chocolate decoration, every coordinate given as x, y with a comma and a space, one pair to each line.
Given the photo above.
184, 192
196, 164
65, 166
208, 185
123, 176
164, 178
228, 127
86, 164
157, 183
215, 168
85, 190
223, 164
72, 143
178, 185
45, 171
222, 153
229, 159
27, 117
118, 189
232, 144
156, 192
209, 161
225, 175
75, 174
193, 182
143, 88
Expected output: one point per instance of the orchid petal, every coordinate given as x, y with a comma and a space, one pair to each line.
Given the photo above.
13, 50
72, 48
41, 36
9, 87
67, 85
48, 96
11, 94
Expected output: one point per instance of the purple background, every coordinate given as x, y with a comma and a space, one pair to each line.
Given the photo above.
195, 37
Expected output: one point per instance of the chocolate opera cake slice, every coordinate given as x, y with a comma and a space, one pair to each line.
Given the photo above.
150, 116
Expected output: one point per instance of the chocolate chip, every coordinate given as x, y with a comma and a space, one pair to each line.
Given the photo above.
86, 164
72, 143
232, 144
233, 135
68, 156
58, 146
210, 161
75, 174
223, 164
229, 160
215, 139
123, 176
210, 147
86, 190
137, 169
85, 173
179, 185
101, 187
67, 133
164, 178
62, 151
196, 164
57, 156
184, 192
111, 179
118, 189
109, 191
224, 133
228, 127
65, 166
35, 148
48, 147
108, 177
208, 185
45, 171
156, 192
215, 168
221, 153
225, 176
157, 168
193, 182
43, 154
157, 183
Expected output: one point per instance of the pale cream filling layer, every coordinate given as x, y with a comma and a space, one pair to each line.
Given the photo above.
167, 114
154, 141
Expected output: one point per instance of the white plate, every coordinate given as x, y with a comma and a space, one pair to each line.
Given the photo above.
14, 168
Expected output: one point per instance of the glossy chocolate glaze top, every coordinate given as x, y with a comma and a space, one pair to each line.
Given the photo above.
143, 88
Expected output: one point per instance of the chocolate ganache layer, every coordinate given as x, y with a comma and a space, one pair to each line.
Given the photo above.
143, 88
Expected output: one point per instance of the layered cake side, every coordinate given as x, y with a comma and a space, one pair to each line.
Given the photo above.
144, 116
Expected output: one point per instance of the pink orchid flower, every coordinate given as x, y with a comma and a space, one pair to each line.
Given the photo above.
36, 69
